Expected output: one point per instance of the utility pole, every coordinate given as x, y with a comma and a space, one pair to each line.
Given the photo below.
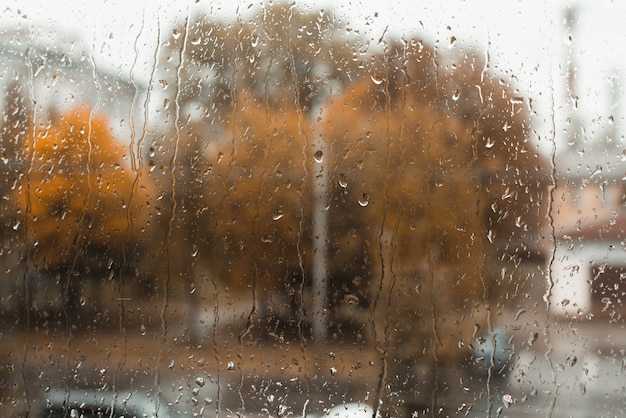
320, 239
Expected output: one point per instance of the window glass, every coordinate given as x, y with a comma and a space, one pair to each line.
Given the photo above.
291, 209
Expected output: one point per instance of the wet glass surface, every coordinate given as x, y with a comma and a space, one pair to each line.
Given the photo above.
285, 209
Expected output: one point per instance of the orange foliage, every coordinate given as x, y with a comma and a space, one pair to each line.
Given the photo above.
77, 191
263, 208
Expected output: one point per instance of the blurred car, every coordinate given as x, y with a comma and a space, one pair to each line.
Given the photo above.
90, 403
495, 346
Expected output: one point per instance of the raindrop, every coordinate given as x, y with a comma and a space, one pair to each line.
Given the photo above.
38, 68
571, 361
319, 156
597, 171
532, 338
333, 371
508, 400
230, 365
176, 33
208, 401
351, 299
200, 381
490, 142
490, 236
476, 329
343, 181
376, 79
452, 42
277, 214
456, 94
364, 200
172, 364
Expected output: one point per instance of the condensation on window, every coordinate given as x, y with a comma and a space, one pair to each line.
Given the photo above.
291, 209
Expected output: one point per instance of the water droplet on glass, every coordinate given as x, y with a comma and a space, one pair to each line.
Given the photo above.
571, 361
333, 371
364, 200
200, 381
343, 181
376, 79
319, 156
456, 94
508, 400
176, 33
277, 214
452, 42
490, 142
172, 364
351, 299
532, 338
230, 365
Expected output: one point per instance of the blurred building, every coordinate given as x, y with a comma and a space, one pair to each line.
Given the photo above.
588, 209
58, 73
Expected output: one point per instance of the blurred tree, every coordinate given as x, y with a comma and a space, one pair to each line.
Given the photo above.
435, 184
14, 134
277, 53
453, 186
429, 153
75, 195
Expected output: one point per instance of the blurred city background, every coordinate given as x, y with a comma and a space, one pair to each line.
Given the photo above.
284, 208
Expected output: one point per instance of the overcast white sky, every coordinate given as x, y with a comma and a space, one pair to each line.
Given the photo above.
525, 38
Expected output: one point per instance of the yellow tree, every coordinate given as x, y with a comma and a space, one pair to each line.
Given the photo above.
81, 204
433, 168
259, 205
